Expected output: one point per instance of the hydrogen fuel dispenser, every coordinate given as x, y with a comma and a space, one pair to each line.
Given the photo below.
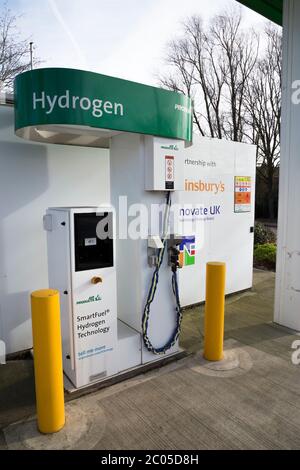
82, 268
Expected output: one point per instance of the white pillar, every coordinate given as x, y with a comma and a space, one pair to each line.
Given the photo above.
287, 297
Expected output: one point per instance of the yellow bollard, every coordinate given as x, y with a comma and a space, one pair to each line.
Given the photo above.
214, 311
47, 352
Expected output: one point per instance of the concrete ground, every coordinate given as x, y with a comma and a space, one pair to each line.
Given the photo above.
252, 401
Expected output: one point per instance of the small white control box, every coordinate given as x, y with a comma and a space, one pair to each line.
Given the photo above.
164, 164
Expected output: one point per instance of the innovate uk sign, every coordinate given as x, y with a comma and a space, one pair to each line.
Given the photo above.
56, 96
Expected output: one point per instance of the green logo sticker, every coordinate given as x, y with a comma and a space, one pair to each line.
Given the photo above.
93, 298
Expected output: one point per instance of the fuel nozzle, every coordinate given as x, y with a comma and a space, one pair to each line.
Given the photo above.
174, 258
174, 243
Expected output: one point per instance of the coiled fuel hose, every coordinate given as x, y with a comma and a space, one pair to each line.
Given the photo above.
152, 291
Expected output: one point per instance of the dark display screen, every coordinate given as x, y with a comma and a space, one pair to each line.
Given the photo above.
92, 252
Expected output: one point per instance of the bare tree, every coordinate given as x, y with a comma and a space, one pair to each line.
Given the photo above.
14, 52
212, 65
263, 103
239, 52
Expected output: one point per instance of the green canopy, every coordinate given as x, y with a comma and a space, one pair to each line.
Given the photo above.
271, 9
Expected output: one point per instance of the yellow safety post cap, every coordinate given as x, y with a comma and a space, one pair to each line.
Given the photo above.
216, 263
41, 294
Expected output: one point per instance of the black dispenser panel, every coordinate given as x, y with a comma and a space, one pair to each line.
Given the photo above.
92, 252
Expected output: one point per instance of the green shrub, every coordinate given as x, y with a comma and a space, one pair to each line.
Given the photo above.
263, 235
265, 255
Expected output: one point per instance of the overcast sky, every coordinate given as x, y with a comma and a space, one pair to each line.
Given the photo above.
123, 38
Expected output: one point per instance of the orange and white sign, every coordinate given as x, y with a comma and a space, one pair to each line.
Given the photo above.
242, 194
